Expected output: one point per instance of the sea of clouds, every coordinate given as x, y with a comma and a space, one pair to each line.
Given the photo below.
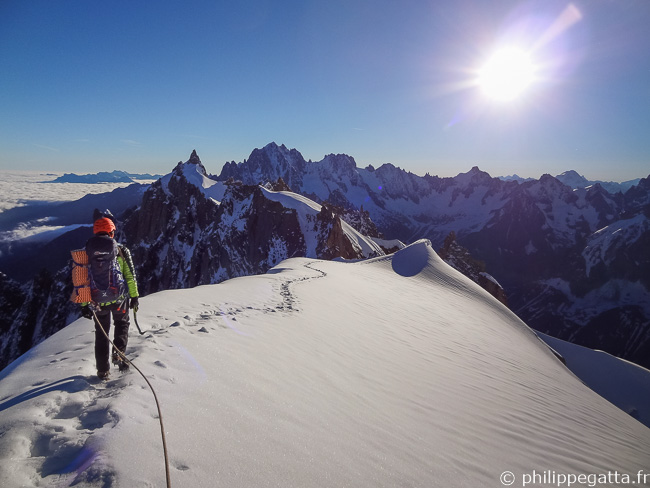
20, 188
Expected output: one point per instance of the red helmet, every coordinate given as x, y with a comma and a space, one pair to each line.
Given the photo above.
103, 225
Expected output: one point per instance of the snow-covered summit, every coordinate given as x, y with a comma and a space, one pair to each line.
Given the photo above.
474, 177
573, 179
395, 371
195, 173
267, 164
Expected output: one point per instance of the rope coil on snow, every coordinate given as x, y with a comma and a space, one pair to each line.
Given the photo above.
160, 418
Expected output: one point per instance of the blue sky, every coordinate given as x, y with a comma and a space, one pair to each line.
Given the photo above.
91, 86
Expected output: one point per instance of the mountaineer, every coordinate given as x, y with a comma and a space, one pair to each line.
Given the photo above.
112, 288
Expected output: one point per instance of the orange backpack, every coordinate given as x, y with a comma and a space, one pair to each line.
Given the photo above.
80, 278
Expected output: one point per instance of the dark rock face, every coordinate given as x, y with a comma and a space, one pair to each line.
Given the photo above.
255, 233
637, 198
460, 259
361, 221
279, 185
34, 311
332, 242
172, 220
626, 320
268, 164
12, 298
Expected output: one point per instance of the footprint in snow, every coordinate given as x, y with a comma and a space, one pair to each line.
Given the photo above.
72, 410
98, 418
75, 404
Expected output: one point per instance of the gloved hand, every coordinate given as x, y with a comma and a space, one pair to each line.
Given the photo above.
134, 303
86, 312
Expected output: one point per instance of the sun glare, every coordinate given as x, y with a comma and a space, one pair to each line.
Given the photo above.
506, 75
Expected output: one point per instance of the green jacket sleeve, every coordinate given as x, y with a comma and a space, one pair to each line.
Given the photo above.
126, 265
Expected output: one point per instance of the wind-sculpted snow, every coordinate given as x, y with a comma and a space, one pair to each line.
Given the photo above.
414, 261
318, 373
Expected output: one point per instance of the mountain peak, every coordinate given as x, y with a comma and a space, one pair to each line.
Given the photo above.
268, 164
573, 179
274, 145
572, 174
474, 171
474, 176
340, 163
194, 158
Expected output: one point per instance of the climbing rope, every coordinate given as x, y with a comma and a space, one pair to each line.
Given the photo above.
160, 418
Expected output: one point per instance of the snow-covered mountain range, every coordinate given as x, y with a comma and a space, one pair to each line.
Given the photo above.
392, 371
219, 231
575, 180
573, 262
187, 230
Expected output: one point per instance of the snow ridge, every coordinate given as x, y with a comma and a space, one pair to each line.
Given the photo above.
395, 370
525, 233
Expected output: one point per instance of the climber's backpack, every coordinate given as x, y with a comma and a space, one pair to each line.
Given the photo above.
80, 280
106, 280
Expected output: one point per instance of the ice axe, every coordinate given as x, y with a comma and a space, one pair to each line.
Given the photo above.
135, 319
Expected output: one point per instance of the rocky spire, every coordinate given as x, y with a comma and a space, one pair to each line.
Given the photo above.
194, 158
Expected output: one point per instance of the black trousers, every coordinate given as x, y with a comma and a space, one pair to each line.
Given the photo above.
120, 334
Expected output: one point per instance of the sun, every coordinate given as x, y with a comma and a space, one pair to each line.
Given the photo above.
506, 75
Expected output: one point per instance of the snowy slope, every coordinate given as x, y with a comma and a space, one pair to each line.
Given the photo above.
623, 383
395, 371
